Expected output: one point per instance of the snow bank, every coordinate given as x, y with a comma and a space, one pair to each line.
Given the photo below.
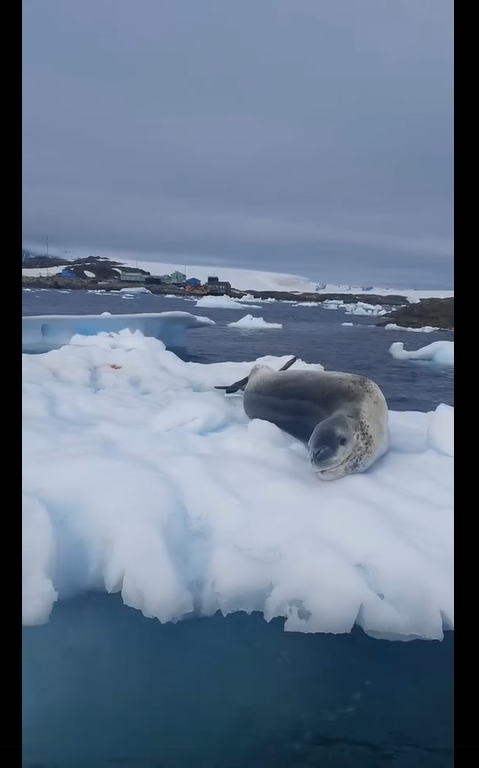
223, 302
250, 323
441, 352
140, 478
424, 329
41, 333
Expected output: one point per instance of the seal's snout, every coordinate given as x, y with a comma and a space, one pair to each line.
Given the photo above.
322, 454
327, 445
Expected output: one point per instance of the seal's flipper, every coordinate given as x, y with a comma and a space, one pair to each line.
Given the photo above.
232, 388
288, 364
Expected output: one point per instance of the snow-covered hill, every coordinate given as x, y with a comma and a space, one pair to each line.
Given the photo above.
241, 279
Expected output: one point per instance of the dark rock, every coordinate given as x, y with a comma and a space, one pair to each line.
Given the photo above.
438, 313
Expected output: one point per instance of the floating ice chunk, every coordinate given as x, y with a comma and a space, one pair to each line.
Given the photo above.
357, 308
250, 323
140, 478
139, 289
367, 310
441, 352
223, 302
41, 333
424, 329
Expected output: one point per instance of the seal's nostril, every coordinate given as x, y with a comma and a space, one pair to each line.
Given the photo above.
323, 453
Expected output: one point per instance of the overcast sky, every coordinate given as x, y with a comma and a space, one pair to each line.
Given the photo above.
305, 136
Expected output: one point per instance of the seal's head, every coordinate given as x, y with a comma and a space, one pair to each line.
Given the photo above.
259, 370
333, 447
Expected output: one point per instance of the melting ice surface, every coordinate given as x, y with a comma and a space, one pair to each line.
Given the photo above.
45, 332
140, 479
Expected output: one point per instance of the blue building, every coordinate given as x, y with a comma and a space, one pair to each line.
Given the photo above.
193, 281
68, 272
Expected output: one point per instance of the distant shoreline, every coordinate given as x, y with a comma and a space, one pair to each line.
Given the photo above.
438, 313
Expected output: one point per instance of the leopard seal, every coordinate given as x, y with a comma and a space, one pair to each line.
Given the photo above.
342, 418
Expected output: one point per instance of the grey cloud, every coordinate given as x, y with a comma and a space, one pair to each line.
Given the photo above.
304, 136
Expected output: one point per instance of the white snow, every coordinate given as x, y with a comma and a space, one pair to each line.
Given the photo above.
441, 352
41, 333
250, 323
88, 273
140, 478
223, 302
241, 279
423, 329
348, 324
42, 271
412, 294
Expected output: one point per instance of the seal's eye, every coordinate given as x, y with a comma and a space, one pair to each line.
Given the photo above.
343, 441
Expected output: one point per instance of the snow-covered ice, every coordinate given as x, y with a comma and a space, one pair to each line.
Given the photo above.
250, 323
441, 352
41, 333
223, 302
140, 478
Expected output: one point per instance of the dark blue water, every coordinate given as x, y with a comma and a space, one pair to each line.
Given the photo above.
313, 334
103, 686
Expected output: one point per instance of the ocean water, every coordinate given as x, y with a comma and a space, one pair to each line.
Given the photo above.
103, 686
